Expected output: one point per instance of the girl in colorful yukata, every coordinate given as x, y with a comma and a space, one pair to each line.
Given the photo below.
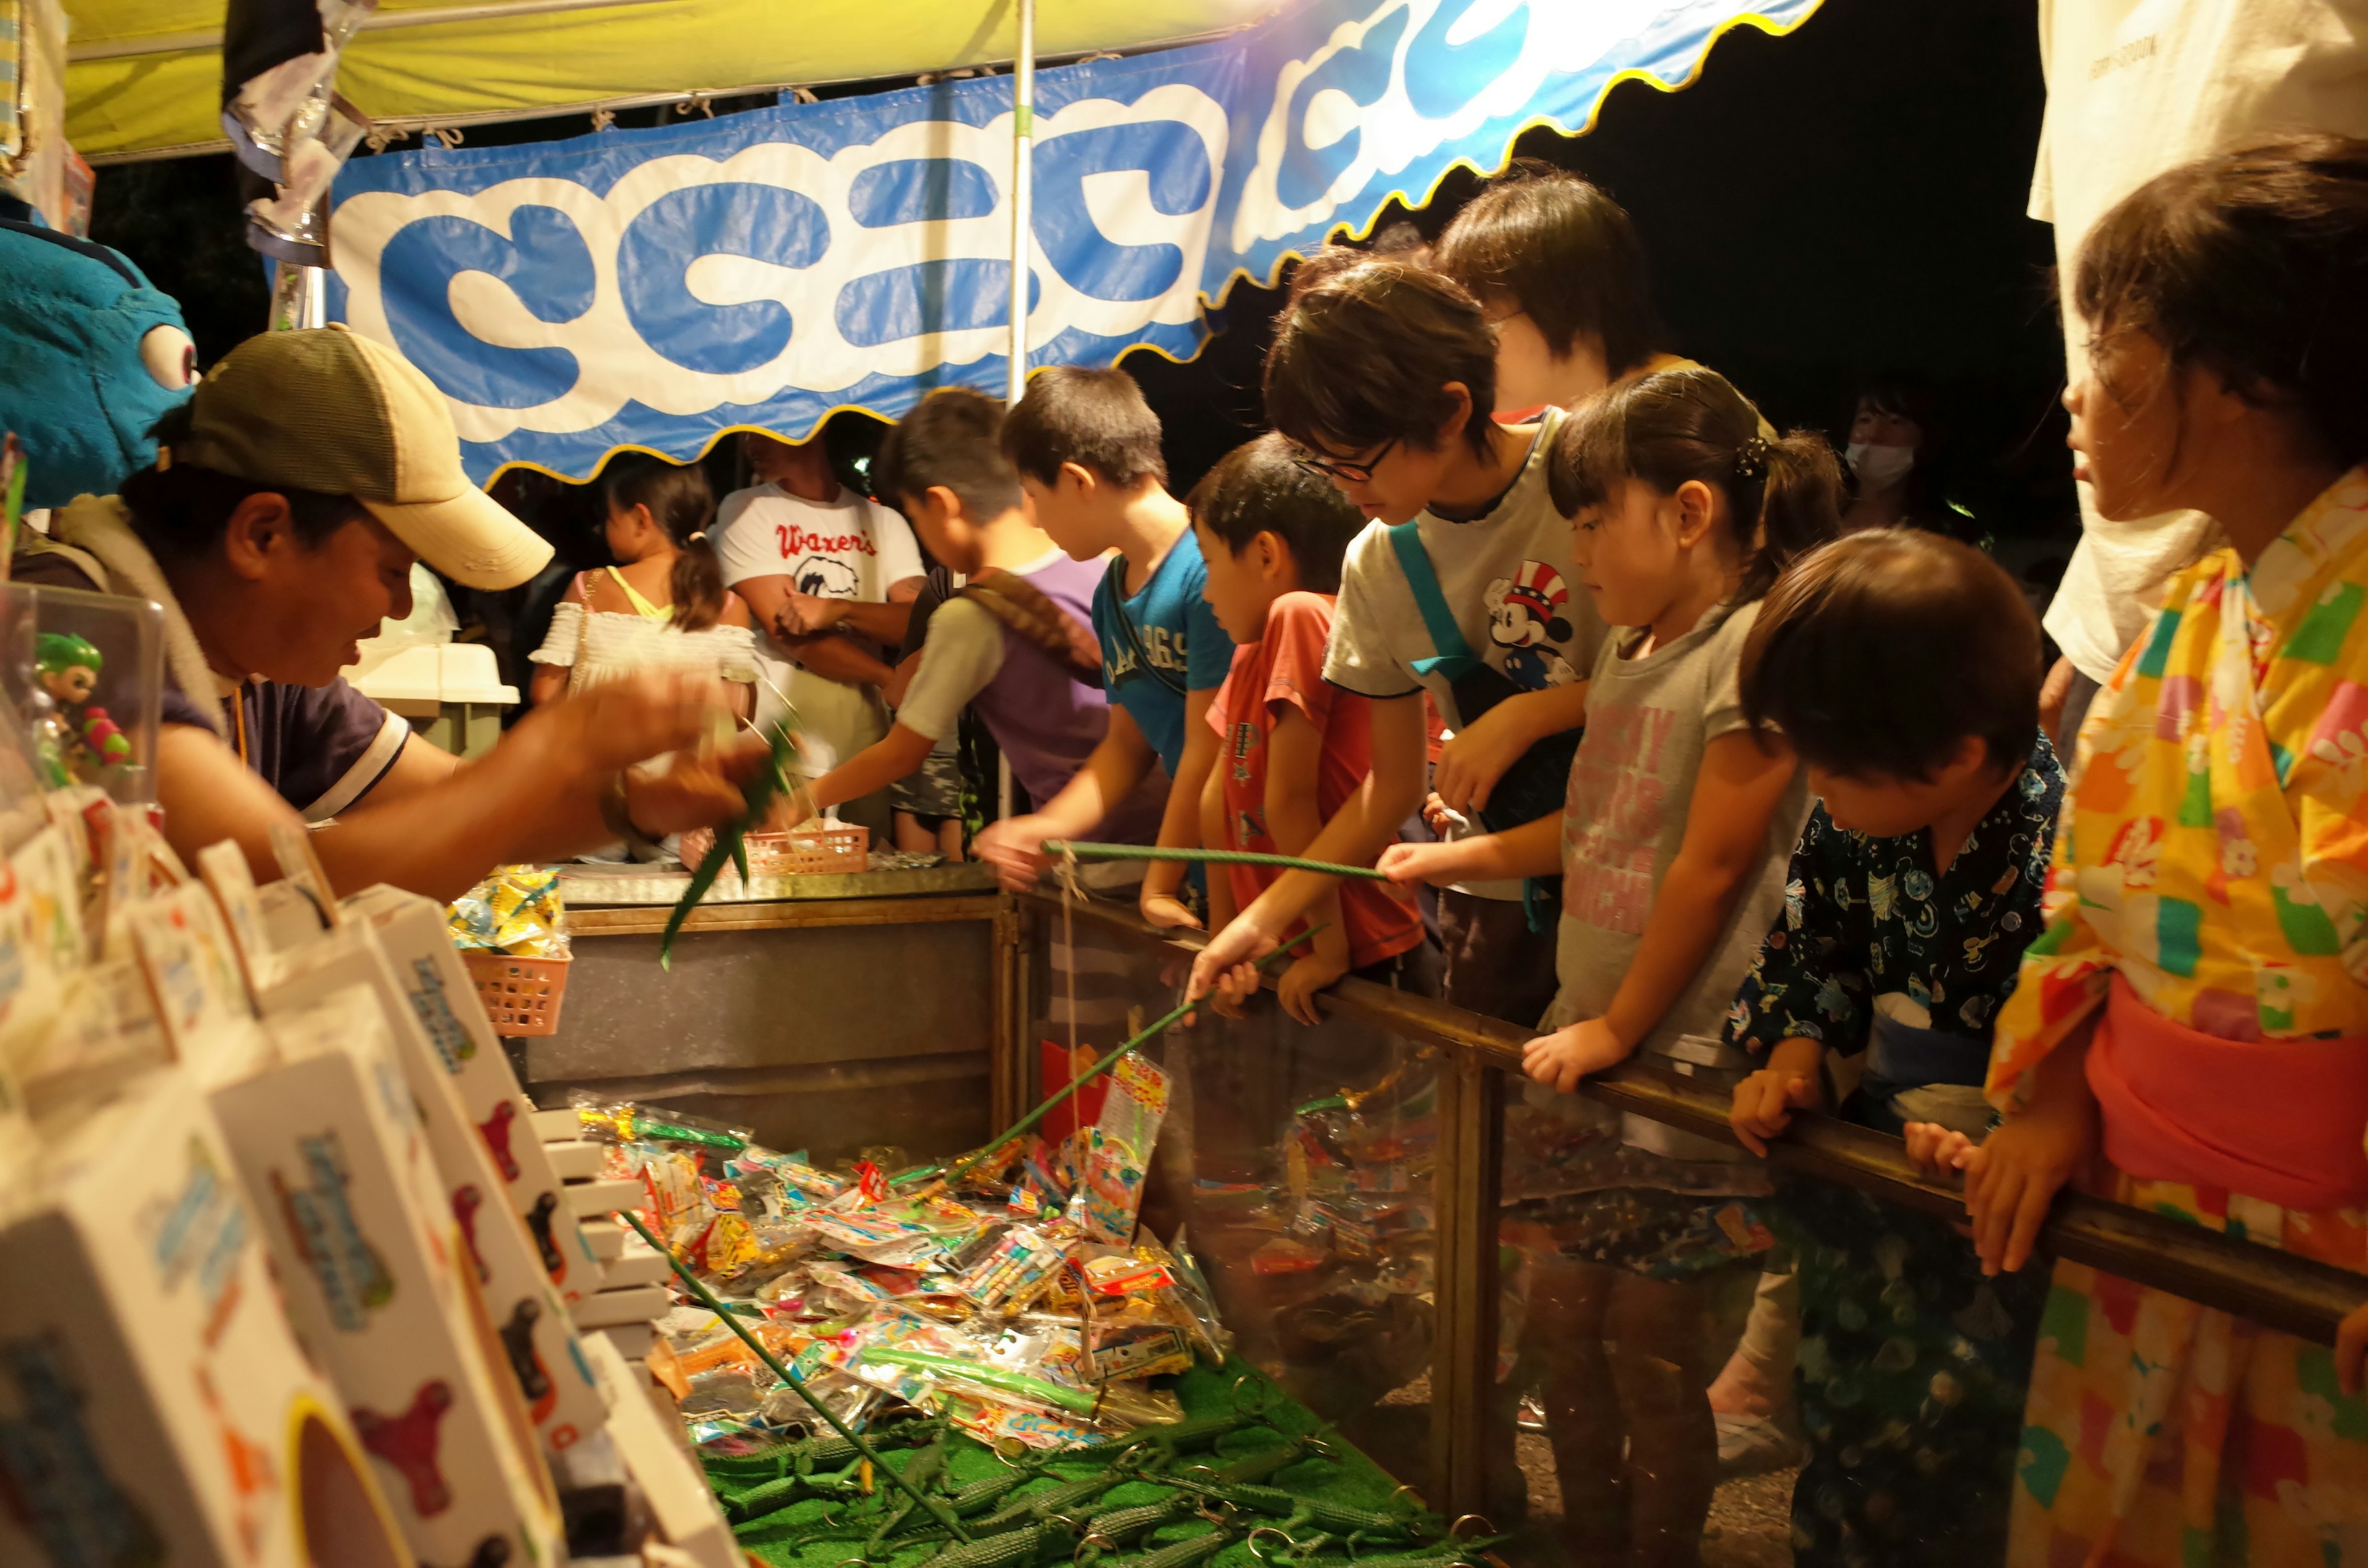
1904, 668
2190, 1035
1672, 845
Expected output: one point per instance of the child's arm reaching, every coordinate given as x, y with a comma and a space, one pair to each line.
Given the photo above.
1356, 833
1179, 825
1764, 1102
1294, 755
1741, 780
1533, 849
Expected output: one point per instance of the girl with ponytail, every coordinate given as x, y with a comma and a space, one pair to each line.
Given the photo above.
1672, 845
664, 606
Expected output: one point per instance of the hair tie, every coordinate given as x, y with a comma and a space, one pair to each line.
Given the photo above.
1752, 457
697, 537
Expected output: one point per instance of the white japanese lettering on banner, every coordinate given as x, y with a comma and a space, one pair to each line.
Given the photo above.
656, 288
693, 282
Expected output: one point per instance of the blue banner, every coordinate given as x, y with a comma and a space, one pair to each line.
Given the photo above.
656, 289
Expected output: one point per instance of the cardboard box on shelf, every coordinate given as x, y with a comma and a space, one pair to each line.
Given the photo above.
334, 1157
418, 944
508, 1253
156, 1405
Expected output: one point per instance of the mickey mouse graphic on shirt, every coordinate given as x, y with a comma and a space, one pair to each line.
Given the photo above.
1525, 620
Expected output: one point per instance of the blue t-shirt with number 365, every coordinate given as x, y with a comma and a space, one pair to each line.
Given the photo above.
1161, 644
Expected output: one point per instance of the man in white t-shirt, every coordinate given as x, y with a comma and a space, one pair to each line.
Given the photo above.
830, 577
2135, 88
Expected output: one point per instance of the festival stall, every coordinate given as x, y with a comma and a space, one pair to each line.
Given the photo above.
977, 1252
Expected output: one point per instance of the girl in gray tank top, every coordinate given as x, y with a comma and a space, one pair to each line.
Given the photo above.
1672, 845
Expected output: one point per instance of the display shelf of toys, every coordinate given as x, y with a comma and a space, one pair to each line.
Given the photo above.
292, 1279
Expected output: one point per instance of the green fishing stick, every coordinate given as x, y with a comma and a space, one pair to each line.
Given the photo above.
1057, 847
936, 1509
1027, 1124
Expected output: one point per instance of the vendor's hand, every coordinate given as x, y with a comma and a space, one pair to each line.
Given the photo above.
1406, 865
1241, 942
1938, 1152
1476, 757
1561, 1059
1166, 912
1300, 983
618, 723
689, 789
1015, 847
1764, 1104
802, 614
2015, 1174
2351, 1348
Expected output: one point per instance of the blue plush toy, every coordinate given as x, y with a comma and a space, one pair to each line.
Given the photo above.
90, 355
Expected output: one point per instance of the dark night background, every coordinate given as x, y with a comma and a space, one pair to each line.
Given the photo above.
1840, 204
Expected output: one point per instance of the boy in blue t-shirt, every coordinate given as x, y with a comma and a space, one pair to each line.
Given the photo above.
1087, 447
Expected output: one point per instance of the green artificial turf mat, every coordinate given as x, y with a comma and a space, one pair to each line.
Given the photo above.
1348, 1478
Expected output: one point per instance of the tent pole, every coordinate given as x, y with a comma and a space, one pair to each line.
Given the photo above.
1024, 140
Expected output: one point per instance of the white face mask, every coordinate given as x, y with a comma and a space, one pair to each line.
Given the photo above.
1878, 468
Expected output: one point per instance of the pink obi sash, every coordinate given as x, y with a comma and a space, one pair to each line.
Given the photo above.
2280, 1119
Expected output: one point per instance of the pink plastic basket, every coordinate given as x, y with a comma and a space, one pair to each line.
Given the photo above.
521, 995
824, 849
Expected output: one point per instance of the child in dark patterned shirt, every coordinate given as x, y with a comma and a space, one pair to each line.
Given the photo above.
1905, 669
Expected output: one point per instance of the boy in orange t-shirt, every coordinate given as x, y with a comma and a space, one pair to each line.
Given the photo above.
1292, 748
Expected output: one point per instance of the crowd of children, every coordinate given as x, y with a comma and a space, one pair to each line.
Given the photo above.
1513, 603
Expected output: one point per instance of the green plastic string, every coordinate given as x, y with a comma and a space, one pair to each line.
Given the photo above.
1027, 1124
1058, 848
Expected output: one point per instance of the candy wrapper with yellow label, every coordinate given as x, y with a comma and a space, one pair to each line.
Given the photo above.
517, 910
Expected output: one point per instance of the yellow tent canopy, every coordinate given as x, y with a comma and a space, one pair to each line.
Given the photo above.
145, 77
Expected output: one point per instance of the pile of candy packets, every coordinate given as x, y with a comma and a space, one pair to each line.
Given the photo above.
1018, 1299
516, 910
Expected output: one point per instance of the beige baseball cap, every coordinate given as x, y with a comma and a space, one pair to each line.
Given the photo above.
328, 410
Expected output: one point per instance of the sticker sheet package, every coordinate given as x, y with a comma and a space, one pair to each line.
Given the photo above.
1118, 1151
156, 1406
511, 1257
334, 1159
413, 932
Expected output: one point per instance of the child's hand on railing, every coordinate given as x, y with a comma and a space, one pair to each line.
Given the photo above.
1940, 1153
2015, 1173
1166, 912
1297, 988
1561, 1059
1764, 1104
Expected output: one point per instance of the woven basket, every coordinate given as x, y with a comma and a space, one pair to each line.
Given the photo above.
521, 995
822, 848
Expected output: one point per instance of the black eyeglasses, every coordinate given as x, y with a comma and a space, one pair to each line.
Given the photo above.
1332, 468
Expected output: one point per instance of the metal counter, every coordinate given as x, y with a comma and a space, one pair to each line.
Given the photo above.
825, 1013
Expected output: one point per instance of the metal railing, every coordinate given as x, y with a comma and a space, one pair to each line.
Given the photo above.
2276, 1289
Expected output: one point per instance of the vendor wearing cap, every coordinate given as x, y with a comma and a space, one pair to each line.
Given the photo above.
289, 498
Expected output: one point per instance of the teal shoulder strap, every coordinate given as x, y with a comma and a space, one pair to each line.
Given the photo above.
1455, 658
